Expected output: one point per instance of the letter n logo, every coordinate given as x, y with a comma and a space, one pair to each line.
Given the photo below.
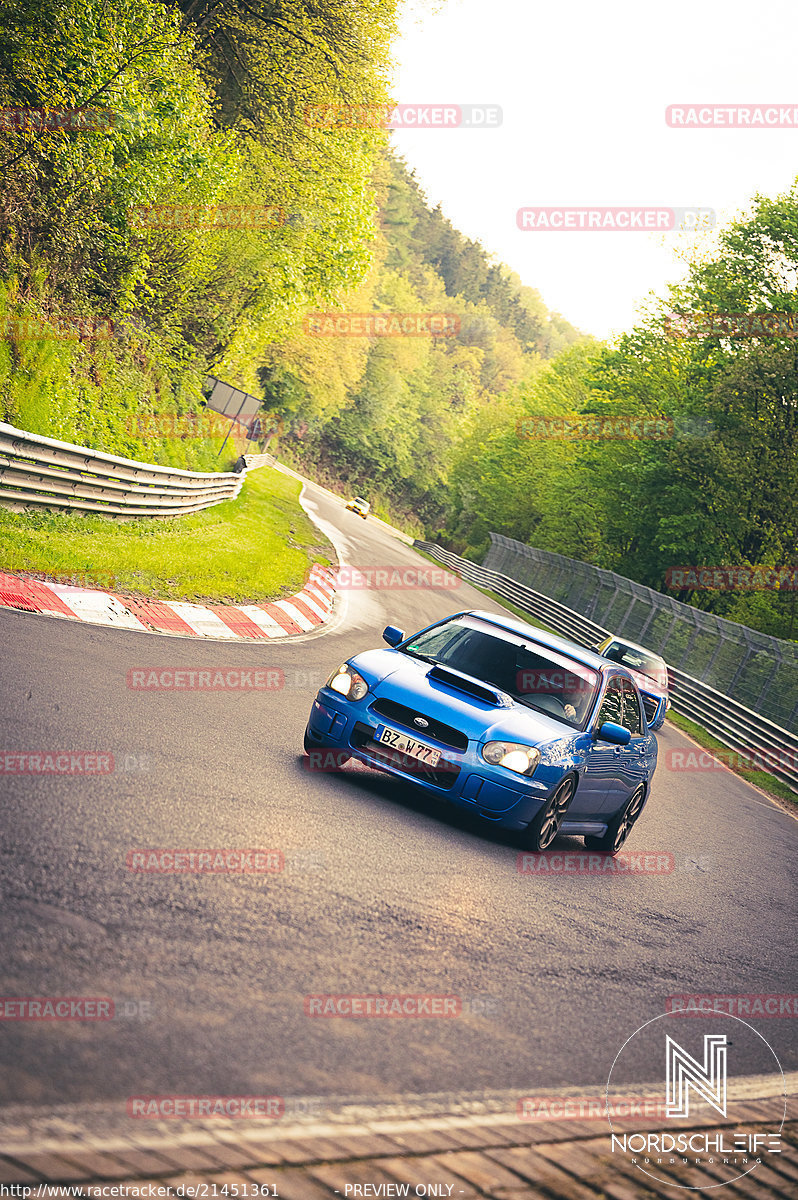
684, 1072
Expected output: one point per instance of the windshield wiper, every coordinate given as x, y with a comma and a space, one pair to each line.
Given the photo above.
423, 657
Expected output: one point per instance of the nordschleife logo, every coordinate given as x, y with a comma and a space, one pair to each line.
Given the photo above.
683, 1072
721, 1088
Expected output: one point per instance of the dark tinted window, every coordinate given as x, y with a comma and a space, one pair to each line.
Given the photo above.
637, 660
529, 672
631, 709
612, 704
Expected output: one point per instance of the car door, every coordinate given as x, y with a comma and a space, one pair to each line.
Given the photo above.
636, 759
603, 779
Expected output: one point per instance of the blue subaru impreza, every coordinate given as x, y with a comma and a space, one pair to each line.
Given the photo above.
527, 730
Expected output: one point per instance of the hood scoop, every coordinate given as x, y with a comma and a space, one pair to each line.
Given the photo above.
470, 687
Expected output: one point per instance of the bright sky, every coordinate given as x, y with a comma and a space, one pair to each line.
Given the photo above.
583, 87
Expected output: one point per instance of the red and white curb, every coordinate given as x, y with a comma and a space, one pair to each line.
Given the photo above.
226, 622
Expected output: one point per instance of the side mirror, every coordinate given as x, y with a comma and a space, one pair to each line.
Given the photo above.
618, 735
392, 635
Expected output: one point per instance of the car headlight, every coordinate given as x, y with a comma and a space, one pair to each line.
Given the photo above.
348, 683
513, 755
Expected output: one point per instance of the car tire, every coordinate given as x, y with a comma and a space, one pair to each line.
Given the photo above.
543, 829
620, 826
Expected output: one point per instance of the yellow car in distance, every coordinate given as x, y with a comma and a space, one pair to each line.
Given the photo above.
359, 506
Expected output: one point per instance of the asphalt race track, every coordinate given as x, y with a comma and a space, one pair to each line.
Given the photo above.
382, 892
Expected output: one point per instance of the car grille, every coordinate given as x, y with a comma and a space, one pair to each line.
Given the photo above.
403, 715
442, 776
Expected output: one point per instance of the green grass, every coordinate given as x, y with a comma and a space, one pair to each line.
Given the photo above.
761, 779
257, 547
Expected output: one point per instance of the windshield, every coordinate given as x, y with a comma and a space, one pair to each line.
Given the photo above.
532, 674
638, 660
360, 500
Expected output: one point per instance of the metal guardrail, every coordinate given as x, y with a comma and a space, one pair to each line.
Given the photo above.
756, 669
730, 722
40, 472
251, 462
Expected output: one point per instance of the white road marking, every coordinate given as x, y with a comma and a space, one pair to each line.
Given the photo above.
201, 619
98, 608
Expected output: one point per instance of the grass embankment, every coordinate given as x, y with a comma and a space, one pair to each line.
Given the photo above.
761, 779
255, 548
131, 394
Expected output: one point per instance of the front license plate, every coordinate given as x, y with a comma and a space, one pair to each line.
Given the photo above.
407, 745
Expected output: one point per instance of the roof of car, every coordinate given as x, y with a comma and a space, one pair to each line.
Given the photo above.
514, 625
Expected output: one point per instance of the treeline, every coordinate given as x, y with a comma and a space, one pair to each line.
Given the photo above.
168, 209
124, 125
386, 415
684, 450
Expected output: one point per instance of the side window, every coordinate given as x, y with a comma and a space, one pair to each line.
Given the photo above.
612, 704
631, 709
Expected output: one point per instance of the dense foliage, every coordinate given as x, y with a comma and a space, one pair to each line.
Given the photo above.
386, 413
718, 488
204, 111
207, 107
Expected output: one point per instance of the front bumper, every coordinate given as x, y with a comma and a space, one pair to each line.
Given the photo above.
462, 777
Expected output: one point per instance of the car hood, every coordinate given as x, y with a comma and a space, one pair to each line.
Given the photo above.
391, 674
